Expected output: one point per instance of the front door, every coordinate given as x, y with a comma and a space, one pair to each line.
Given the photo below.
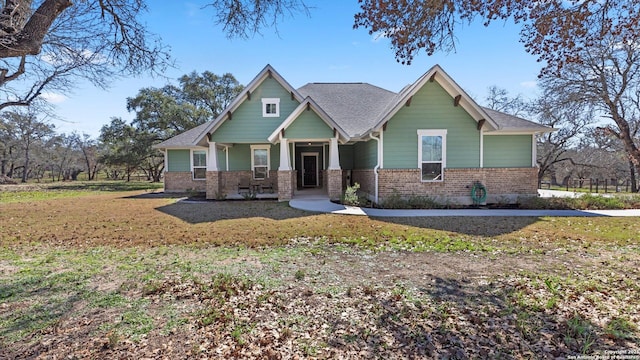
309, 169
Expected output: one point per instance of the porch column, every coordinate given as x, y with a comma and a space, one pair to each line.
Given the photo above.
334, 155
213, 173
284, 155
212, 159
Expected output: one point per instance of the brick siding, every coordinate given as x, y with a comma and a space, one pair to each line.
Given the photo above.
182, 182
502, 184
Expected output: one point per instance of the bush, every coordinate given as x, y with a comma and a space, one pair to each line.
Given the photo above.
350, 196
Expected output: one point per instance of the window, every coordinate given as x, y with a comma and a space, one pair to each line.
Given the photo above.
199, 164
270, 107
260, 163
432, 145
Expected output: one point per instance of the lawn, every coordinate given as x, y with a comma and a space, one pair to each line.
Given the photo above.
109, 273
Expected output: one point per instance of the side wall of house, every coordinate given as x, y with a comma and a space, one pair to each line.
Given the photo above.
508, 151
503, 185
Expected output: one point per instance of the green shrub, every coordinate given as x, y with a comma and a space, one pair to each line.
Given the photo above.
350, 196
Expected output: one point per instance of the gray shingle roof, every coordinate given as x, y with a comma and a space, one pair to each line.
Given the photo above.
186, 139
354, 106
359, 107
513, 123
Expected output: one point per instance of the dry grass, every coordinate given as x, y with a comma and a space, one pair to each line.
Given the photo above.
126, 219
138, 275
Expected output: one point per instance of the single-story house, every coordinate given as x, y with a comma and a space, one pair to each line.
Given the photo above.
429, 139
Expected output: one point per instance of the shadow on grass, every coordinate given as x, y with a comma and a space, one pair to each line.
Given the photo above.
195, 212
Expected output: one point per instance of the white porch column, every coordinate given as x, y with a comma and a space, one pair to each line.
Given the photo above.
334, 156
212, 159
284, 155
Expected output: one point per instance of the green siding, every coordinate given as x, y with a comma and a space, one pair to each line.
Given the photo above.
240, 157
178, 160
222, 160
346, 156
366, 155
308, 126
247, 124
431, 108
507, 151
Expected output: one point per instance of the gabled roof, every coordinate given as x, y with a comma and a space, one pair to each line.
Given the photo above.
358, 109
513, 124
355, 106
265, 73
188, 138
449, 85
308, 102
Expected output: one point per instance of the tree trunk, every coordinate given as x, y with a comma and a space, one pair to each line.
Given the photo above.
27, 39
632, 172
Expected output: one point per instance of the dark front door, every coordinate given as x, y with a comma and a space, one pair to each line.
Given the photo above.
310, 170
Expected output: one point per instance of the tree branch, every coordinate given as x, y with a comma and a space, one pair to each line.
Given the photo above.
28, 41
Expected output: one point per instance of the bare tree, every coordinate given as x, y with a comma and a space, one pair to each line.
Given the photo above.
571, 119
47, 45
26, 129
557, 31
608, 80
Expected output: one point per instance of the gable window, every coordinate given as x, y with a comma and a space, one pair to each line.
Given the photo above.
270, 107
199, 164
260, 164
432, 150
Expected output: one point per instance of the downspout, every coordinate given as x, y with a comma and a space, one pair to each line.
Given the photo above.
226, 154
376, 168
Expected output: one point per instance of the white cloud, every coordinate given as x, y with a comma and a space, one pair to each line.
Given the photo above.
529, 84
53, 98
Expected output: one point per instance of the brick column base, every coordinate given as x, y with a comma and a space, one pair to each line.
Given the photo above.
285, 185
334, 184
213, 185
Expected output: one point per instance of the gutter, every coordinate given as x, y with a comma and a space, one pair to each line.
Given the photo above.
377, 167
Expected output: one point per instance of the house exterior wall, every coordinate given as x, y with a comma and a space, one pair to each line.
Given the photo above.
229, 180
181, 181
503, 185
179, 160
240, 156
507, 150
366, 179
365, 155
308, 126
431, 108
247, 125
346, 156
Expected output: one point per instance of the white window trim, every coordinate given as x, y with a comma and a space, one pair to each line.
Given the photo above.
193, 172
266, 101
443, 134
260, 147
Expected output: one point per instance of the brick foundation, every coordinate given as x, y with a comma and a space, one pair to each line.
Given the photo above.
367, 181
334, 184
213, 185
286, 183
182, 182
504, 185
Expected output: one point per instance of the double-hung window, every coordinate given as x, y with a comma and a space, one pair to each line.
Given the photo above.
270, 107
432, 150
199, 164
260, 163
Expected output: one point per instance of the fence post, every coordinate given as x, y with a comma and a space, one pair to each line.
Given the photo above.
605, 185
590, 185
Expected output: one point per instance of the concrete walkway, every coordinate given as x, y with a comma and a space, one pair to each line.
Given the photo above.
322, 204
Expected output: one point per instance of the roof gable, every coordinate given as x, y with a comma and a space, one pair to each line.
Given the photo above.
460, 98
355, 106
267, 73
308, 105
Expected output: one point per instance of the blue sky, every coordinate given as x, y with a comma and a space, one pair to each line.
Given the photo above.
320, 48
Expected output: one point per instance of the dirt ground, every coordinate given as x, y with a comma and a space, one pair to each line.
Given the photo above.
130, 277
